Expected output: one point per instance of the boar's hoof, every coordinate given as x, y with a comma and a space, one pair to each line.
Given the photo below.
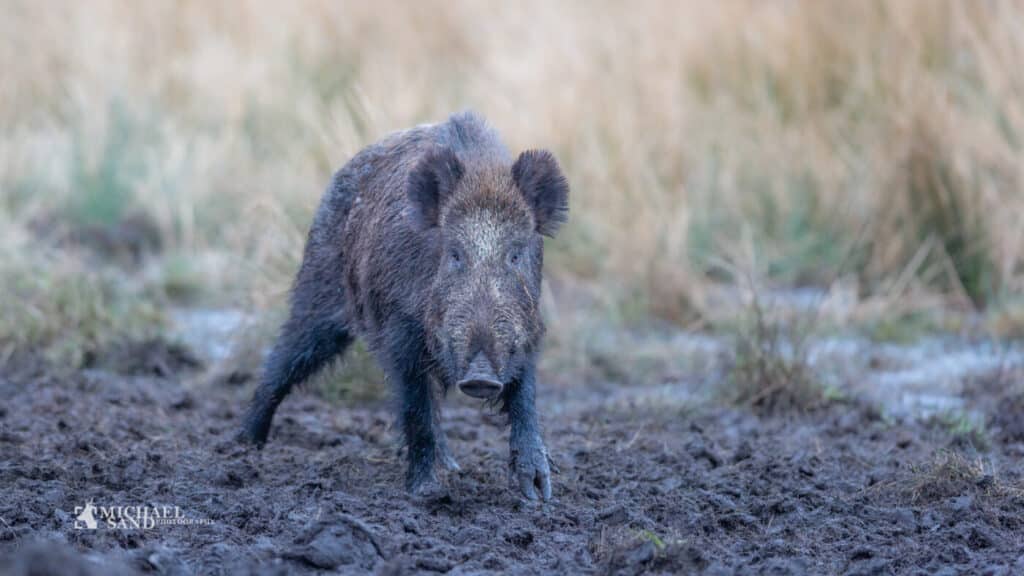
529, 469
429, 490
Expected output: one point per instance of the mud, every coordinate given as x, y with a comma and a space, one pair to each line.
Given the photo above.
650, 481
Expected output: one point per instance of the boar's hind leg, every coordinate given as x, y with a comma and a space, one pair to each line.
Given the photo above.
314, 334
299, 353
316, 331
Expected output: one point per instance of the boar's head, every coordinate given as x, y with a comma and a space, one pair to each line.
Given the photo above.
486, 221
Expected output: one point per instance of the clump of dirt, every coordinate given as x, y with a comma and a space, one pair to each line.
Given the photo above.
646, 552
336, 540
642, 488
43, 558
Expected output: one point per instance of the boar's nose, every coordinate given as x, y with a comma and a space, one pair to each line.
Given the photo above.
480, 380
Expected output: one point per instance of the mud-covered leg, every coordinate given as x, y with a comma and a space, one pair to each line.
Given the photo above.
316, 332
301, 350
404, 354
529, 469
417, 421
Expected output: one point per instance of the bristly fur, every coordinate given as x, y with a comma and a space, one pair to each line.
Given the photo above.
538, 176
427, 245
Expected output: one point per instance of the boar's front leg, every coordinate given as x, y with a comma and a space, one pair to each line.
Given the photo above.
529, 470
404, 365
417, 421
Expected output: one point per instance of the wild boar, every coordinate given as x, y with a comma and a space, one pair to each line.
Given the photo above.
428, 245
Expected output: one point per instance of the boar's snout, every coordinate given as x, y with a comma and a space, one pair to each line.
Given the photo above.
480, 380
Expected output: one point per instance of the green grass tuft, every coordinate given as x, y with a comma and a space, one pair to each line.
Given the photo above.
768, 369
64, 311
103, 182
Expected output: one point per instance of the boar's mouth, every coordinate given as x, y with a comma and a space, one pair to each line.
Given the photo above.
480, 380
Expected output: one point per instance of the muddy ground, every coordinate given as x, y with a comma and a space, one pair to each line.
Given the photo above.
649, 482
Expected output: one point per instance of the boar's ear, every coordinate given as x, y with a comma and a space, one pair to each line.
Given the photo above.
431, 182
539, 178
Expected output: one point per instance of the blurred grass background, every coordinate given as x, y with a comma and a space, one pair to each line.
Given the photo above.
161, 154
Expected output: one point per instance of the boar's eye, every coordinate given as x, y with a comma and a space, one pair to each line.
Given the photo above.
454, 259
515, 256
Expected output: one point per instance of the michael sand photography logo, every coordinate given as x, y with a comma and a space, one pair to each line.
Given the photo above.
93, 517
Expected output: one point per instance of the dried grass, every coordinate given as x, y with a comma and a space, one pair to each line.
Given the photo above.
883, 137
